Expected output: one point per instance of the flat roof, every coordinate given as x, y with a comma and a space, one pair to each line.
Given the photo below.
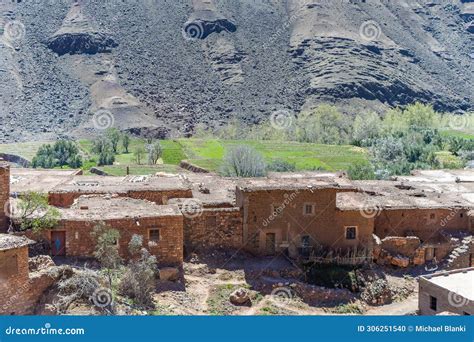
111, 184
8, 241
407, 195
23, 179
459, 281
294, 183
109, 207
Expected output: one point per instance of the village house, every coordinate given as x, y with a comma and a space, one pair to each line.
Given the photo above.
20, 289
409, 221
451, 291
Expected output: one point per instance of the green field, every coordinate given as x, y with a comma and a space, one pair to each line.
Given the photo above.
458, 134
208, 153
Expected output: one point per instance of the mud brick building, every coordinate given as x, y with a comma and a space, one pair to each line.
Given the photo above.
161, 227
20, 290
4, 194
451, 291
290, 214
155, 189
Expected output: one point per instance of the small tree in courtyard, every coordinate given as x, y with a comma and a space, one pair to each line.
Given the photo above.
106, 249
139, 280
34, 212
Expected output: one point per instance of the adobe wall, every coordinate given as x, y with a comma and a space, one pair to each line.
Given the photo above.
19, 293
214, 228
168, 251
66, 199
4, 195
292, 224
419, 222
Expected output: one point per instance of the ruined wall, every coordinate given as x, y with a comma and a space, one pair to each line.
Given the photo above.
169, 250
4, 195
424, 223
20, 292
66, 199
292, 224
214, 228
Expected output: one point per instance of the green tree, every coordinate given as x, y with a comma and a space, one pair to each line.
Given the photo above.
324, 125
139, 154
34, 212
113, 135
61, 153
366, 127
125, 142
154, 152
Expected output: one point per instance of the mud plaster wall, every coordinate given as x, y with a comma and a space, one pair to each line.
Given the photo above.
324, 226
424, 223
4, 195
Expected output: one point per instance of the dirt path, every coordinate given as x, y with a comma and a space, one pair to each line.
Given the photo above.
406, 307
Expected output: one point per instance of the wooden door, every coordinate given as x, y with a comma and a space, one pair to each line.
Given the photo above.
58, 243
270, 244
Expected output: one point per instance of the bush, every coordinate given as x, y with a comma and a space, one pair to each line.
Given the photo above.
361, 171
62, 153
138, 282
243, 161
281, 166
82, 285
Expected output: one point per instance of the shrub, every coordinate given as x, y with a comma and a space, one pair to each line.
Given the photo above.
138, 282
243, 161
106, 249
281, 166
361, 171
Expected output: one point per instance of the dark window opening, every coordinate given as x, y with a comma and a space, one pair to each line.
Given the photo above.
433, 303
154, 235
351, 233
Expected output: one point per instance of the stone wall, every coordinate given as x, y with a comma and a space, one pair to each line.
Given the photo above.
424, 223
325, 226
168, 250
19, 293
4, 195
214, 228
66, 199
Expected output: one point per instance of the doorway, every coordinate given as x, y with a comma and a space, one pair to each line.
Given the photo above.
270, 244
58, 243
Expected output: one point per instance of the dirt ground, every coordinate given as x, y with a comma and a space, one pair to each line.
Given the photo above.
207, 284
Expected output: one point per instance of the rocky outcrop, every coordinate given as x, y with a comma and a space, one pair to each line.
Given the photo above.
78, 35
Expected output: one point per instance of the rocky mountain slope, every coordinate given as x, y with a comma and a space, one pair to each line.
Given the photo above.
161, 66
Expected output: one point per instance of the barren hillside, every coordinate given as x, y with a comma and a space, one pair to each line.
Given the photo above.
163, 65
